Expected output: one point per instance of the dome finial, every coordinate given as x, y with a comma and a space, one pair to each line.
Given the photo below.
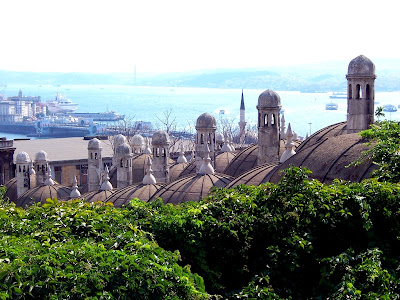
226, 147
181, 159
147, 149
106, 185
149, 177
49, 180
289, 152
206, 167
74, 193
31, 169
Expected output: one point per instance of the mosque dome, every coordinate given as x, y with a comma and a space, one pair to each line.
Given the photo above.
137, 140
361, 65
254, 176
94, 144
142, 191
330, 159
206, 120
269, 99
98, 195
190, 168
43, 192
191, 188
41, 156
160, 137
222, 160
22, 157
176, 170
119, 139
11, 192
123, 149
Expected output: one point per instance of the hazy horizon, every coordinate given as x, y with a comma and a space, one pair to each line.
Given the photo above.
180, 36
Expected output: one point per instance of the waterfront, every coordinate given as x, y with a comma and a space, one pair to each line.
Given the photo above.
305, 111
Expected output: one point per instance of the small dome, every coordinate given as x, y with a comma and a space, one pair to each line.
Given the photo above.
23, 157
219, 138
361, 65
41, 156
94, 144
206, 120
269, 99
142, 191
119, 139
137, 140
98, 195
43, 192
123, 149
160, 137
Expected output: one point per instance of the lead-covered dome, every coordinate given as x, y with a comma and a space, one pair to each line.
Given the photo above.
43, 192
119, 139
361, 65
123, 149
160, 137
137, 140
41, 156
22, 157
269, 99
94, 144
206, 120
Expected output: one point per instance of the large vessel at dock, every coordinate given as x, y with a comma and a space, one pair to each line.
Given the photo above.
103, 116
61, 105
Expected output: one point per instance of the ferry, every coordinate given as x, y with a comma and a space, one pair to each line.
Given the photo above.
103, 116
61, 105
389, 108
331, 106
338, 95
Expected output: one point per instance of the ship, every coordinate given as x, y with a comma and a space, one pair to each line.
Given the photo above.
338, 95
61, 105
103, 116
331, 106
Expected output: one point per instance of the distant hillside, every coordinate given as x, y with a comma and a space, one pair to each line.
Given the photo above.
324, 77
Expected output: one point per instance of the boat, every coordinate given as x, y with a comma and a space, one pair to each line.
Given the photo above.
103, 116
338, 95
61, 105
389, 108
331, 106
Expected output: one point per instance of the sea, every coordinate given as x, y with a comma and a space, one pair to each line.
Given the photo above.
304, 111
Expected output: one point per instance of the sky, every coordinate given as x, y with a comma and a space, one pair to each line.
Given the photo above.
175, 36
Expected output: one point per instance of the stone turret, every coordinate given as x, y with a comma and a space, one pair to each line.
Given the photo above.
360, 94
41, 166
160, 143
205, 138
22, 172
95, 165
124, 166
269, 105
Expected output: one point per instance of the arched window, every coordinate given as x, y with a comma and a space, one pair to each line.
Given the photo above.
272, 119
266, 120
358, 91
259, 119
91, 155
19, 168
95, 155
350, 92
201, 139
368, 92
209, 139
122, 163
157, 152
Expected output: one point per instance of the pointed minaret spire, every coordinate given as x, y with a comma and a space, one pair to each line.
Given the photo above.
149, 177
242, 123
206, 167
283, 132
106, 185
49, 180
74, 193
181, 159
289, 152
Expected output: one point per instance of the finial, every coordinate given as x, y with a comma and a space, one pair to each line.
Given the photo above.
74, 193
106, 185
181, 159
226, 147
31, 168
206, 167
149, 177
147, 150
49, 180
289, 152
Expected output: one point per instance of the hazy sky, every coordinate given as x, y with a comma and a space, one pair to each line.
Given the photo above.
169, 35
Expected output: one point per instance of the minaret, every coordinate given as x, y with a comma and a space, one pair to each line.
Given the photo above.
242, 123
205, 137
22, 173
283, 128
269, 105
41, 166
124, 166
160, 142
360, 94
95, 165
